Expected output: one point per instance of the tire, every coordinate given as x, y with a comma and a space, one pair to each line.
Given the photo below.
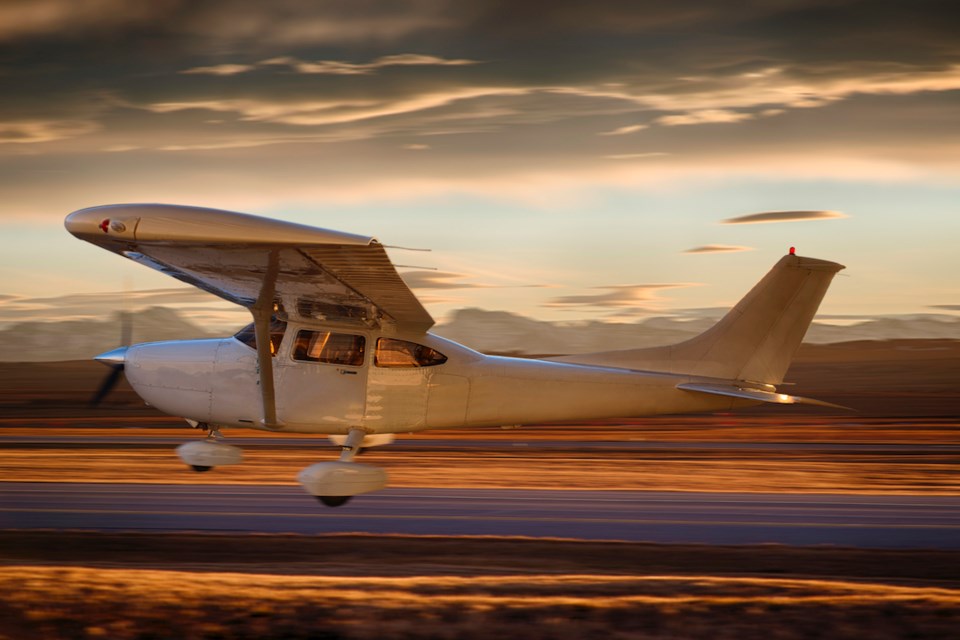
334, 501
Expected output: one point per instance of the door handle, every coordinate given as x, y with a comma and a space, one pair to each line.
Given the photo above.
347, 372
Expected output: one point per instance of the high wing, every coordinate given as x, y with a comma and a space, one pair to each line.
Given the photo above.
302, 271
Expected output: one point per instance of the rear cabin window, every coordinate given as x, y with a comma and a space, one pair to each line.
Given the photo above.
248, 335
331, 348
394, 353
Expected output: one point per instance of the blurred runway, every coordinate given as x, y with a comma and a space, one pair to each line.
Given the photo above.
676, 517
420, 443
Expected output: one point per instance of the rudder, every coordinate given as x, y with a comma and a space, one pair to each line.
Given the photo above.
758, 338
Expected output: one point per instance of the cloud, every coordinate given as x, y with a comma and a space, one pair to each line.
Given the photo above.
447, 280
32, 132
435, 280
333, 67
431, 299
25, 18
718, 248
221, 69
533, 121
706, 116
728, 97
305, 23
268, 76
784, 216
336, 67
622, 131
946, 307
628, 296
317, 112
221, 25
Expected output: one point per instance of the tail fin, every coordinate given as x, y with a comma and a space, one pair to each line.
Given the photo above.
755, 341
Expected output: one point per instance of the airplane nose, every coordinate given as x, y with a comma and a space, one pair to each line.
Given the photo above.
114, 357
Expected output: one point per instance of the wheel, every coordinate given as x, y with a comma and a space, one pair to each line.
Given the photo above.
334, 501
199, 468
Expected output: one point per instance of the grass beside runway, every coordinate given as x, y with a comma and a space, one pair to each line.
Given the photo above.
75, 585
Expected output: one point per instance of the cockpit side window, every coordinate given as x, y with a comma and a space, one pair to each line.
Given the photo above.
393, 353
248, 335
332, 348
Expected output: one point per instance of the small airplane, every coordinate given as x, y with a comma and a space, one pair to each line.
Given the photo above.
339, 345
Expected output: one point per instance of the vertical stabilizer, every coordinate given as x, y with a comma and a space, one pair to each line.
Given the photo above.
755, 341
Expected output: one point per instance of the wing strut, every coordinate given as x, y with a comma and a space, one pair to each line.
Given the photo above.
262, 312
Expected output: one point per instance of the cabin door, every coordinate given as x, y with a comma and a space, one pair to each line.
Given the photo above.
321, 383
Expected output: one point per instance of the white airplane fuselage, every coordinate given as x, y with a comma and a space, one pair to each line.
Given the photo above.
339, 345
216, 382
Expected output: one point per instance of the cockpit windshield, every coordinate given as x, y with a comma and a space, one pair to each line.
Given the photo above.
403, 354
248, 335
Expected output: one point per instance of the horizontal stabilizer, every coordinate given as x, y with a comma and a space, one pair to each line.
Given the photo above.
735, 391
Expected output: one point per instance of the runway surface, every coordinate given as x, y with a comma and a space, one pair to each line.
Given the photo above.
675, 517
140, 441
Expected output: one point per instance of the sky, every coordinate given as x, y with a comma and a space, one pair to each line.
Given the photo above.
605, 160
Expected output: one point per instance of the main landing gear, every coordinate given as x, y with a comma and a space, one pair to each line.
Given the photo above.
203, 455
334, 483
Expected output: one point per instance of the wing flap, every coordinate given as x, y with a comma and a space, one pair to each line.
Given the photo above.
369, 270
735, 391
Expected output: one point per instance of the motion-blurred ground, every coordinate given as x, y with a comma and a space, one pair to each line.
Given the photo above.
901, 438
124, 586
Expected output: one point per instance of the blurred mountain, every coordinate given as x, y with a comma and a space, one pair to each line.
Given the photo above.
906, 327
503, 332
487, 331
83, 339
